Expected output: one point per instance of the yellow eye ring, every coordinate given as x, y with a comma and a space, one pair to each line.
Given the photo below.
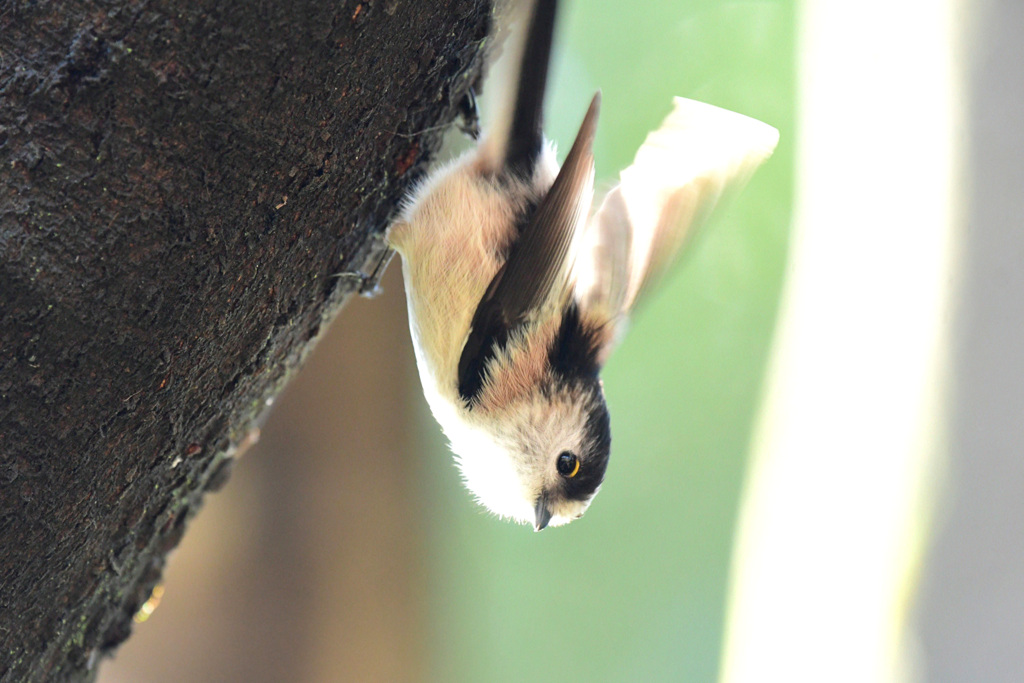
568, 465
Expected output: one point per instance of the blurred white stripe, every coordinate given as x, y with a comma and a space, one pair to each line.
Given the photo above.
837, 504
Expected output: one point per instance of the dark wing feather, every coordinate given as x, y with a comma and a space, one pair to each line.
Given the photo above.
537, 272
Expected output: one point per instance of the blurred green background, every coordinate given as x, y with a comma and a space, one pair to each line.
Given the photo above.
345, 547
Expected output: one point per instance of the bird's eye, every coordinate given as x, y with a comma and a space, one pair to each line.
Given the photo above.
568, 465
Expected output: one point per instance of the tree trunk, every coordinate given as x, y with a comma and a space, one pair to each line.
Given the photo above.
179, 184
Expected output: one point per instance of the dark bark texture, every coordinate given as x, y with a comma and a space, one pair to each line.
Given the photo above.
179, 184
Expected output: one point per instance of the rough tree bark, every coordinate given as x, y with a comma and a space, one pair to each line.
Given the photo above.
179, 181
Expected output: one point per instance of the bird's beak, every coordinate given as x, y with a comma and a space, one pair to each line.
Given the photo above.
541, 513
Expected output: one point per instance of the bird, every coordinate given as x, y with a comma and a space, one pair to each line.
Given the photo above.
519, 286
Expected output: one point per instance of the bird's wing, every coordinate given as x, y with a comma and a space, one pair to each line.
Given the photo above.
681, 171
539, 266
